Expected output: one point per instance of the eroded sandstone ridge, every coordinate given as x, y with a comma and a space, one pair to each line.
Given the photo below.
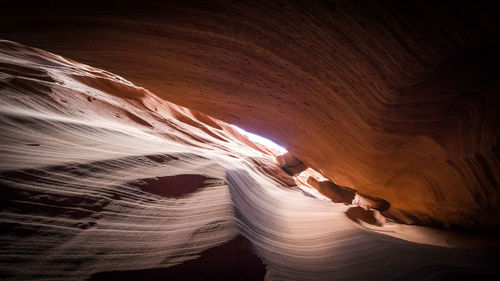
397, 100
102, 180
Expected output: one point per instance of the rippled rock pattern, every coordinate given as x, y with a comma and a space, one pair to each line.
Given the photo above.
397, 100
102, 180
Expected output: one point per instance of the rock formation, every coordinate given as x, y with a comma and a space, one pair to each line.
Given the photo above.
369, 216
337, 194
396, 100
100, 176
290, 164
101, 179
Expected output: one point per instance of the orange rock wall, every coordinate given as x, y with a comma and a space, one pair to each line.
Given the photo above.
395, 99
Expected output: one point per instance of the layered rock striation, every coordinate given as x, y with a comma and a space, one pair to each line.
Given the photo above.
397, 100
101, 179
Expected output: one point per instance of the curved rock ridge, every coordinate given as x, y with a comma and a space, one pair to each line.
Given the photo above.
105, 180
100, 175
217, 263
394, 99
101, 179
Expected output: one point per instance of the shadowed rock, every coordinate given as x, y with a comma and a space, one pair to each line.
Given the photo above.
290, 164
176, 186
369, 216
342, 194
233, 260
372, 202
87, 156
336, 193
394, 100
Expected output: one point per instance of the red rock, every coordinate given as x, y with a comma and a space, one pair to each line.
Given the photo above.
269, 168
372, 202
290, 164
369, 216
336, 193
397, 101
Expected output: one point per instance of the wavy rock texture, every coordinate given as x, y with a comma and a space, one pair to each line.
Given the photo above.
98, 174
396, 99
101, 179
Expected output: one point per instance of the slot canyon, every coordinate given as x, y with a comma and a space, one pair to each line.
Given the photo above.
249, 140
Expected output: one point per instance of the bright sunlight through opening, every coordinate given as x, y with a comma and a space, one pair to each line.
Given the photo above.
265, 142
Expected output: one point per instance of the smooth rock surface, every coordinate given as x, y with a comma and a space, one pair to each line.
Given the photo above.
290, 164
107, 180
336, 193
394, 99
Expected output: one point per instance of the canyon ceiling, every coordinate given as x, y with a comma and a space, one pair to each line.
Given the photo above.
396, 99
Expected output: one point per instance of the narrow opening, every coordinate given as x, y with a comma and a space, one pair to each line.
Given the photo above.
300, 179
269, 144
